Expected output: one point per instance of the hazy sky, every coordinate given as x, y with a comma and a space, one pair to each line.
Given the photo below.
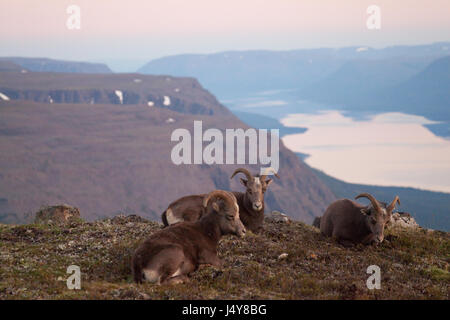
145, 29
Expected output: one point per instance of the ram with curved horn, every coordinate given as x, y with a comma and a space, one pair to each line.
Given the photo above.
251, 202
350, 222
171, 254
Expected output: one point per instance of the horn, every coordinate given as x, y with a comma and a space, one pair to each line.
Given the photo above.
220, 194
244, 171
374, 201
264, 176
393, 203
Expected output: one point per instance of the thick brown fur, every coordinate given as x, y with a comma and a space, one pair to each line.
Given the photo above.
171, 254
351, 223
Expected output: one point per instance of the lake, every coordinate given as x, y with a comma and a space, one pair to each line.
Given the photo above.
389, 149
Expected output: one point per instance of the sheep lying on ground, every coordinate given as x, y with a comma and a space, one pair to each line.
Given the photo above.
170, 255
350, 222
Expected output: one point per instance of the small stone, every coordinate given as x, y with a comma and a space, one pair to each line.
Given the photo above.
283, 256
404, 220
60, 214
278, 217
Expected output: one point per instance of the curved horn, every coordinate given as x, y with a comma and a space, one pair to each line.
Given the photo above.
393, 203
220, 194
374, 201
264, 176
244, 171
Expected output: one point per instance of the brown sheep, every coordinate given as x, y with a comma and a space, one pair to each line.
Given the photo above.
351, 223
170, 255
251, 203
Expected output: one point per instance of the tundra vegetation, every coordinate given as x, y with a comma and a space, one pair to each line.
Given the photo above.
285, 261
251, 203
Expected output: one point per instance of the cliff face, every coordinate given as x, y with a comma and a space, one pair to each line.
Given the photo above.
183, 95
115, 156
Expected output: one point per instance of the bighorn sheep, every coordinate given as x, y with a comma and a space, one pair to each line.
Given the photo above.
251, 203
171, 254
350, 223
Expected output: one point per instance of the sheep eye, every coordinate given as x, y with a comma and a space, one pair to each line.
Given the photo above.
374, 221
230, 217
249, 191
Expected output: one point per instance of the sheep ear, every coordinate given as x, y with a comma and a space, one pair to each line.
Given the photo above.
366, 212
244, 182
215, 206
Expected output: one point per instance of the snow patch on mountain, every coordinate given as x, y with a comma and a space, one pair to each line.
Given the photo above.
166, 101
4, 97
119, 94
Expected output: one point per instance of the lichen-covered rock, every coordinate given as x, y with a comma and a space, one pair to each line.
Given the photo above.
59, 214
278, 217
404, 220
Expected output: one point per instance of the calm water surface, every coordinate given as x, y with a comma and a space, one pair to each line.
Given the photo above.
390, 149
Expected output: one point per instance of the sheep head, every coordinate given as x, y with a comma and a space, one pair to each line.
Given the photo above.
377, 215
256, 187
225, 207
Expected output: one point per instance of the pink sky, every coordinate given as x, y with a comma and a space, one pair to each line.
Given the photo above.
148, 29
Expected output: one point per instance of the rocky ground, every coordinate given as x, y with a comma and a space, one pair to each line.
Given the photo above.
287, 261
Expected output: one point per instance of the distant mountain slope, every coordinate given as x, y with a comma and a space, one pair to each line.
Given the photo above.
237, 72
229, 74
404, 85
52, 65
354, 81
178, 94
107, 157
430, 209
427, 92
9, 66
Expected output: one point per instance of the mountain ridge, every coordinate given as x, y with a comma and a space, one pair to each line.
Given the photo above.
229, 73
54, 65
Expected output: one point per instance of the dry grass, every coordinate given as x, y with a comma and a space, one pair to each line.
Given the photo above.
34, 258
